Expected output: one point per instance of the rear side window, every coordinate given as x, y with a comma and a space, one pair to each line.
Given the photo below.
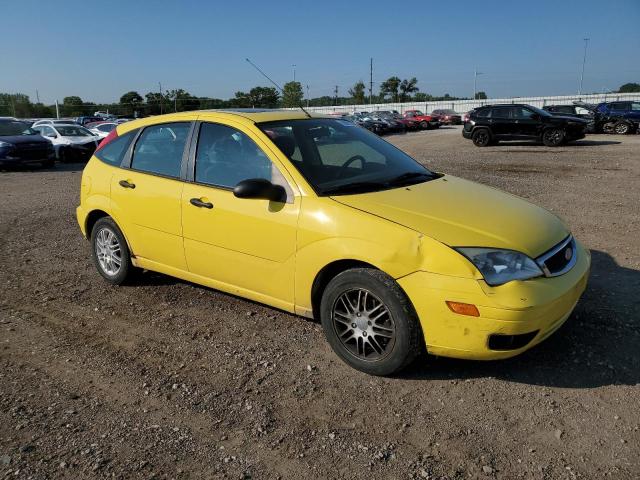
114, 151
484, 113
619, 106
159, 149
500, 112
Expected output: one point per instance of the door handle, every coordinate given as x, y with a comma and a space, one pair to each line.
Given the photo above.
196, 202
125, 184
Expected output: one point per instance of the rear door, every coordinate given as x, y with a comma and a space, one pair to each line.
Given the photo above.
502, 125
146, 194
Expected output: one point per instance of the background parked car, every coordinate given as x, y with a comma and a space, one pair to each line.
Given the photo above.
409, 123
22, 145
102, 129
393, 125
58, 121
426, 121
84, 120
573, 111
71, 142
617, 117
490, 124
448, 116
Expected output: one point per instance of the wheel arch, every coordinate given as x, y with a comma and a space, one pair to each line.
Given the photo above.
92, 218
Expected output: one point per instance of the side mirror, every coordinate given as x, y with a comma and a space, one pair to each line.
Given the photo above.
259, 188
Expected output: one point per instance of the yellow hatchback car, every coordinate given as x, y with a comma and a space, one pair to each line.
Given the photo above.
322, 218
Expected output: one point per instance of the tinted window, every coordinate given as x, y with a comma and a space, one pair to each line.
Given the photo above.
619, 106
114, 151
159, 149
483, 113
106, 128
226, 156
635, 106
500, 112
522, 113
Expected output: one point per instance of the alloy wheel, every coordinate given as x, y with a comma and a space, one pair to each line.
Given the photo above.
108, 251
364, 325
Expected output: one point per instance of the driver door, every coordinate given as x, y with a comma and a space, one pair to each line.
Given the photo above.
244, 246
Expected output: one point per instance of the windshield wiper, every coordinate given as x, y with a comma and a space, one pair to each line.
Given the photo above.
400, 179
354, 187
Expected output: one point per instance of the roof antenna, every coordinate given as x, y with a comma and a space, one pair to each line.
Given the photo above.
277, 86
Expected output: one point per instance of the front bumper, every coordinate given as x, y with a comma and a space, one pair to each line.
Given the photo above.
534, 308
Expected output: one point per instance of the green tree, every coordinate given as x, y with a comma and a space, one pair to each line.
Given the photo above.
481, 96
263, 97
181, 100
422, 97
407, 87
156, 103
72, 106
357, 92
390, 87
631, 87
292, 94
130, 102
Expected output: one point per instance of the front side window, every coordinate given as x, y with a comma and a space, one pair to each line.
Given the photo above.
501, 112
226, 156
619, 106
337, 157
71, 131
160, 147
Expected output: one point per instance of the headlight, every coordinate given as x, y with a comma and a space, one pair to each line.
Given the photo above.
5, 144
501, 266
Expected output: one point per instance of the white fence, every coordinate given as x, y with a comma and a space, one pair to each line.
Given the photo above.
462, 106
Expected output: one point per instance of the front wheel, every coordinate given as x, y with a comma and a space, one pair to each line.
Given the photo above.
621, 128
110, 252
369, 322
553, 137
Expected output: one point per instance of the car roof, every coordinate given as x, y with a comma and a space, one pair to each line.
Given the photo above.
252, 115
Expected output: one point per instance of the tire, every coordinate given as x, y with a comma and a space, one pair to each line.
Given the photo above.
481, 137
621, 128
424, 125
62, 155
387, 336
553, 137
105, 233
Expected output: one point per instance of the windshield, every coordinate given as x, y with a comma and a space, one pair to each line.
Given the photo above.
8, 129
337, 157
447, 112
71, 131
544, 113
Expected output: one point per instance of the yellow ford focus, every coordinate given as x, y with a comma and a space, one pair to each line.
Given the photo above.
322, 218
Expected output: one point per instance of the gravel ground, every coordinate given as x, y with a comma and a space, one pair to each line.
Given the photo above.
167, 379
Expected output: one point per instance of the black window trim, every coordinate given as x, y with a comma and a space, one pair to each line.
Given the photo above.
128, 156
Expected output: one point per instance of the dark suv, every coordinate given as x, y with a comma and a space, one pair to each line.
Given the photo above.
490, 124
618, 117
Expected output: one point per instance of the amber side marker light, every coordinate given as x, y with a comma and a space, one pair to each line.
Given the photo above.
463, 308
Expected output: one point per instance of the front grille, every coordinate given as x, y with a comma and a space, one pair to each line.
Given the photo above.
560, 259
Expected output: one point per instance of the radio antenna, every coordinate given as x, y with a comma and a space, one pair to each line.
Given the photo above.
277, 86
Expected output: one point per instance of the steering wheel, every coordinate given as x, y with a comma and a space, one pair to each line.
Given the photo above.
346, 164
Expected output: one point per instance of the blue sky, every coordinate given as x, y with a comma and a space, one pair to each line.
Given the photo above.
99, 50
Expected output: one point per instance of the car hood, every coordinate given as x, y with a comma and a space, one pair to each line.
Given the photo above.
460, 213
80, 140
18, 139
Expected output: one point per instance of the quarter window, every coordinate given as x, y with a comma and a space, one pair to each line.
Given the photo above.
159, 149
225, 156
114, 151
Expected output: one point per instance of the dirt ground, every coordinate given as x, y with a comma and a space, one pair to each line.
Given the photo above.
167, 379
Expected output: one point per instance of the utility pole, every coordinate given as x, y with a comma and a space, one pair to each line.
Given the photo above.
371, 81
475, 82
57, 110
294, 71
307, 96
584, 60
37, 96
335, 102
160, 87
175, 102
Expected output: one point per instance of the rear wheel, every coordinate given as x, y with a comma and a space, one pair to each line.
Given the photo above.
110, 252
481, 137
424, 125
553, 137
369, 322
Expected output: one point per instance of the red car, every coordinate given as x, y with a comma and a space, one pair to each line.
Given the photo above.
448, 116
425, 121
